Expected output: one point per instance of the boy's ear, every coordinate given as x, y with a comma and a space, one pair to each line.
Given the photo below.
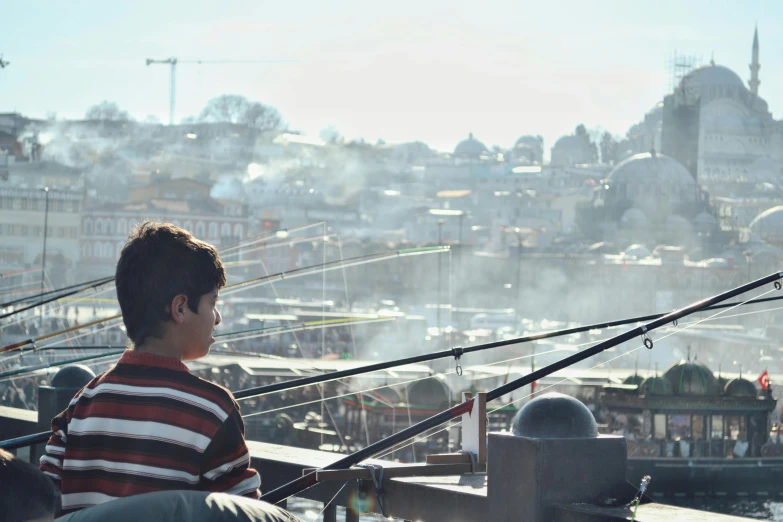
178, 305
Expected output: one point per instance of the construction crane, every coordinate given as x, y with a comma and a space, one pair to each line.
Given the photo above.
173, 63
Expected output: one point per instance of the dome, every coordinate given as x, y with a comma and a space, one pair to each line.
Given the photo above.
532, 141
652, 167
711, 75
570, 141
768, 225
554, 416
740, 388
637, 251
634, 218
634, 379
691, 378
430, 393
470, 148
655, 386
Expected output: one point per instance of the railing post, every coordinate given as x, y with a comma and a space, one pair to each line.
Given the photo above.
55, 398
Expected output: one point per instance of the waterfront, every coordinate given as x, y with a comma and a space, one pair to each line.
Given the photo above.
755, 509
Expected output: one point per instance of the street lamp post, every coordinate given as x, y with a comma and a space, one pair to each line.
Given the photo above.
43, 254
443, 213
440, 238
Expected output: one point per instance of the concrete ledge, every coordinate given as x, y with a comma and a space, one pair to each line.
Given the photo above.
650, 512
457, 498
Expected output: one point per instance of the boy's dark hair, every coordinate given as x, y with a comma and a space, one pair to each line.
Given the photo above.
158, 262
26, 493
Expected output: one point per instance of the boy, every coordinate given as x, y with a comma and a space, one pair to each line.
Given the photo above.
26, 495
148, 424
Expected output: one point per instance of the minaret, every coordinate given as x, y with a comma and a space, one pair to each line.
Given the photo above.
755, 66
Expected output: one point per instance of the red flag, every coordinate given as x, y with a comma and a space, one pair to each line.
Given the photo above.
764, 380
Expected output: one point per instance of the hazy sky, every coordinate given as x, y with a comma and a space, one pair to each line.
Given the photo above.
432, 70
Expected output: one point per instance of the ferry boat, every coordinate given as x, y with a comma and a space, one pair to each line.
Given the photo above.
698, 433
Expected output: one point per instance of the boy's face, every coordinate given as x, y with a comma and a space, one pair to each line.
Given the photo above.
201, 326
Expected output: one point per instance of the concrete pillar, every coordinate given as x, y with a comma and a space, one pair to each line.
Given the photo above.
554, 455
330, 513
55, 398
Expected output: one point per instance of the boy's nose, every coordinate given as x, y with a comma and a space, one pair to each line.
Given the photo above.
218, 318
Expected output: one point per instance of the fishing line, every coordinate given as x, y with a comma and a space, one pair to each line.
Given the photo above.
299, 347
679, 330
392, 385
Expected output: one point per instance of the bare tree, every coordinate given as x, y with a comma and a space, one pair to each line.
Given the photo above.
330, 134
233, 108
106, 111
608, 148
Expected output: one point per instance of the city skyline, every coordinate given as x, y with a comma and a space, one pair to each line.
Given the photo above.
432, 73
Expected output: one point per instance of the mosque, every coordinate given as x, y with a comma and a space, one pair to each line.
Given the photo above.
721, 130
712, 135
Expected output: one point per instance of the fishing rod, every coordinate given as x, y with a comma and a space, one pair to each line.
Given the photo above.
288, 243
108, 279
307, 481
27, 342
34, 368
282, 233
458, 352
56, 297
302, 327
102, 280
334, 265
263, 280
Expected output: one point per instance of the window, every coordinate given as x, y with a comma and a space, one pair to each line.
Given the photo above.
659, 422
699, 427
24, 230
717, 427
238, 231
98, 226
107, 226
122, 226
24, 203
225, 230
98, 250
213, 230
176, 223
88, 226
200, 229
188, 226
119, 250
679, 426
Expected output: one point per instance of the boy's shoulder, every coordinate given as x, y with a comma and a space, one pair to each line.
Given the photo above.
181, 385
219, 391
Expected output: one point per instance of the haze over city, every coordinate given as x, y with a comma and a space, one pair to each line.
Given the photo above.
429, 71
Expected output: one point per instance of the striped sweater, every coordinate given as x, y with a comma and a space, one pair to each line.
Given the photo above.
146, 425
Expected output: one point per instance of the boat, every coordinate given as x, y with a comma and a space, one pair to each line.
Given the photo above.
697, 433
